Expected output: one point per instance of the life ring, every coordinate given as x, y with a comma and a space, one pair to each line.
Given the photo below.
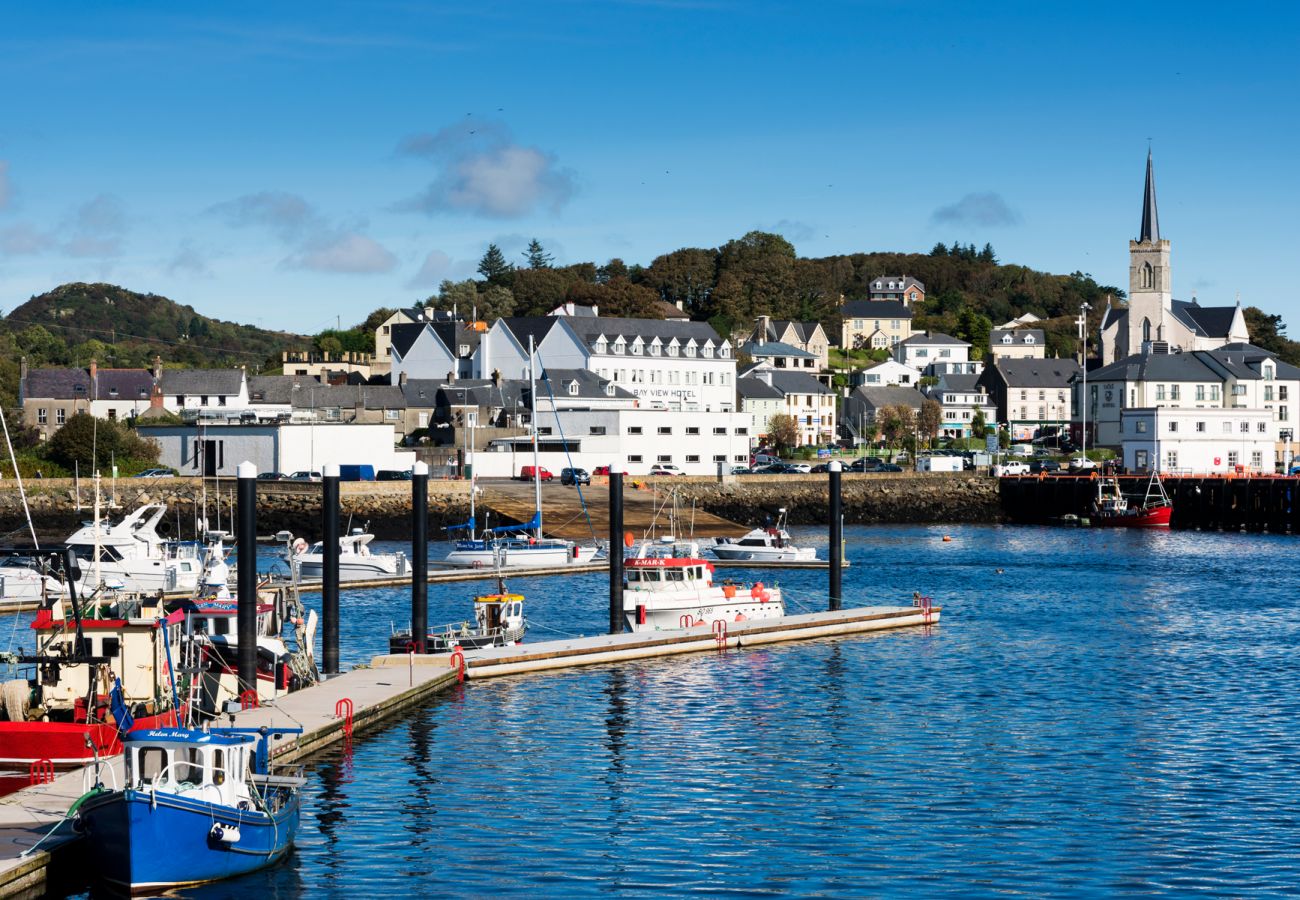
299, 547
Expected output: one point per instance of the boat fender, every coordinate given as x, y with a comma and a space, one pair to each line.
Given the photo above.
224, 834
756, 591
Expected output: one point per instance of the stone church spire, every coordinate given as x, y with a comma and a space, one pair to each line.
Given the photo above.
1150, 219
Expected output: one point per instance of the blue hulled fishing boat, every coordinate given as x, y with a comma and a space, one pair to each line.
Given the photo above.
196, 806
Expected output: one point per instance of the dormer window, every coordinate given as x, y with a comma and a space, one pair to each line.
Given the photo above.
619, 347
672, 349
1006, 338
573, 388
654, 349
637, 348
609, 389
708, 351
1029, 339
112, 392
464, 349
690, 349
724, 352
600, 345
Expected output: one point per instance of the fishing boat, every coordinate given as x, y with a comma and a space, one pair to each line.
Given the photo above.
770, 543
498, 621
1113, 508
357, 562
24, 583
61, 706
668, 585
195, 806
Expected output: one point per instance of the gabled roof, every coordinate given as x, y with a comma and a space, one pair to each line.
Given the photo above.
788, 382
273, 388
348, 396
901, 282
802, 330
1254, 356
878, 397
454, 334
202, 381
57, 384
933, 338
403, 336
670, 310
540, 326
589, 384
968, 384
428, 393
1208, 321
588, 329
1044, 373
1018, 337
755, 388
775, 348
875, 309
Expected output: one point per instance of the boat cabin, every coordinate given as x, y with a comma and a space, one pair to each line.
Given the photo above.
211, 767
653, 574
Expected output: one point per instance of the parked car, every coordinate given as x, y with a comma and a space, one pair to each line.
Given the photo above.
157, 473
271, 476
304, 476
882, 468
528, 473
766, 459
1011, 468
574, 476
798, 468
1044, 467
777, 469
820, 468
741, 470
864, 464
1081, 464
393, 475
600, 470
665, 469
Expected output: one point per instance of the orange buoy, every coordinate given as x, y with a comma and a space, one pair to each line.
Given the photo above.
628, 539
947, 538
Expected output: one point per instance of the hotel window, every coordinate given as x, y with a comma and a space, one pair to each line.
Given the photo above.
635, 458
618, 347
1245, 428
1281, 414
693, 458
1200, 427
719, 431
665, 429
1268, 392
719, 457
1257, 458
1173, 426
1024, 395
655, 349
742, 430
1232, 457
1214, 392
634, 429
1227, 428
1042, 395
60, 416
672, 349
664, 458
708, 351
1262, 427
740, 458
573, 388
1200, 392
692, 429
636, 349
1160, 392
42, 416
1173, 392
1042, 413
597, 429
543, 430
690, 351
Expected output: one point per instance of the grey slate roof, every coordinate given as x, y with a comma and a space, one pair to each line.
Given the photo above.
875, 309
646, 329
907, 281
123, 384
962, 384
1213, 321
348, 396
273, 388
202, 381
539, 326
429, 393
1035, 373
57, 384
453, 334
797, 383
1017, 336
926, 339
775, 348
873, 398
589, 384
403, 336
1254, 356
755, 388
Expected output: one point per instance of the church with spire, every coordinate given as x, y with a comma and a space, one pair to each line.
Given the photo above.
1153, 320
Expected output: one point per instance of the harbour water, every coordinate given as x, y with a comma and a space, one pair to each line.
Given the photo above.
1101, 713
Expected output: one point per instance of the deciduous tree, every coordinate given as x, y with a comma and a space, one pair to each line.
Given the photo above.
930, 418
783, 431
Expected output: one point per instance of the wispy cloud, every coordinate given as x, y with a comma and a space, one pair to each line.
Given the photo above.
434, 268
347, 253
25, 240
288, 215
6, 189
987, 209
791, 230
187, 260
483, 171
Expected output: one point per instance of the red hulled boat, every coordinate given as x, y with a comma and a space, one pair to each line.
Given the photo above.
1113, 509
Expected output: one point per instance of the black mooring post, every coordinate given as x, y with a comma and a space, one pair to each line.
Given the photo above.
615, 551
837, 536
246, 553
420, 554
329, 601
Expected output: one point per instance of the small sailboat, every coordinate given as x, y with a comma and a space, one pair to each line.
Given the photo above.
195, 806
1113, 508
771, 543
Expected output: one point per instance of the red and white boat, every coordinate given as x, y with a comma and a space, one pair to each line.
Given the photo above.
1113, 509
61, 710
669, 586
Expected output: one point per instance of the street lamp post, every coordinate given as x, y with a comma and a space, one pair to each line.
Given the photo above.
1083, 360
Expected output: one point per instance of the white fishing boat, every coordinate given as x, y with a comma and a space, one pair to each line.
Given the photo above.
357, 562
771, 543
132, 556
669, 586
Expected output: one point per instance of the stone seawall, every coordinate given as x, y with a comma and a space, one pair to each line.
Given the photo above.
868, 499
58, 508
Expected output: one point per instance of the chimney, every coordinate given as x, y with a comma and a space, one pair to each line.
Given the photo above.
157, 368
401, 378
681, 304
94, 379
22, 377
156, 397
763, 322
451, 377
496, 378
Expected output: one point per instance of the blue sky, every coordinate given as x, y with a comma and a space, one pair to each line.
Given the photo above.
286, 164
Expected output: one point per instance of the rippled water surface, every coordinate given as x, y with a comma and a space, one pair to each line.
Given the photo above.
1100, 713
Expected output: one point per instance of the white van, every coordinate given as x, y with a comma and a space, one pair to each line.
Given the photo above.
1022, 450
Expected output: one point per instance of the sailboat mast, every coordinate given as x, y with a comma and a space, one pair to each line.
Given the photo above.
537, 469
98, 568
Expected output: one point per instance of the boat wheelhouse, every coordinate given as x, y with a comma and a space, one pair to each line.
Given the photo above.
132, 556
770, 543
1113, 508
498, 621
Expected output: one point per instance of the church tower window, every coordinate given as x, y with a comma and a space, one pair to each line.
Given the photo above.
1146, 329
1148, 277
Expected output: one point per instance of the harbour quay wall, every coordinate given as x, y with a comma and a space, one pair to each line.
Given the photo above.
899, 498
1218, 503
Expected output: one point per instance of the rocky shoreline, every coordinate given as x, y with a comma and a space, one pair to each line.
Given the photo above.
58, 507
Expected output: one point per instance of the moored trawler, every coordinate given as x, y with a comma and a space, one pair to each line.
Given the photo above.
669, 586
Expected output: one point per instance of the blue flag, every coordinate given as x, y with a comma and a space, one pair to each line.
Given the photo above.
117, 703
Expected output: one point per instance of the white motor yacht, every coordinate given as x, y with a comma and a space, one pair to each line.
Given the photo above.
22, 583
131, 556
357, 562
769, 544
668, 586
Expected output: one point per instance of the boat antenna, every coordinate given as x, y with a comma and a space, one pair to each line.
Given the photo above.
18, 476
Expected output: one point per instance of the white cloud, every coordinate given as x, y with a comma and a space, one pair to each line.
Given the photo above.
791, 229
434, 268
24, 240
987, 209
286, 214
482, 171
187, 260
88, 245
348, 252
